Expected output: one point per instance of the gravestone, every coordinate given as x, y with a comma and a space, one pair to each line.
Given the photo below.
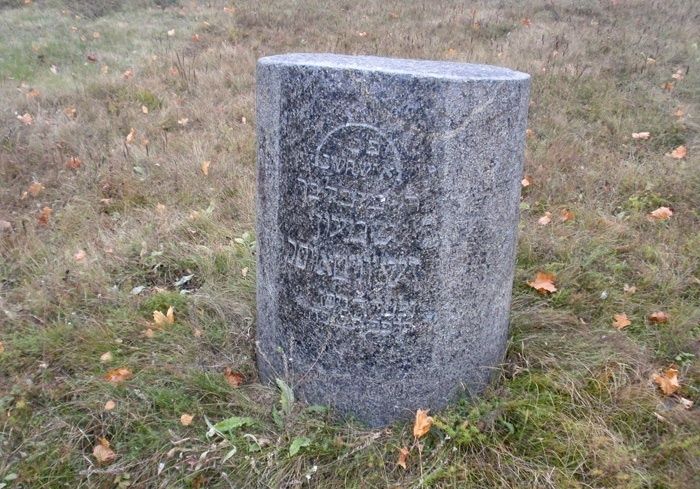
388, 195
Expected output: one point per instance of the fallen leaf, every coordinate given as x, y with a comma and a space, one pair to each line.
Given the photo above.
658, 317
620, 321
529, 133
109, 405
526, 181
5, 226
422, 424
629, 289
33, 93
26, 119
234, 379
144, 109
566, 215
678, 75
166, 319
106, 357
128, 74
130, 137
667, 381
44, 216
679, 153
244, 271
183, 121
73, 163
102, 453
35, 189
546, 219
640, 135
186, 419
171, 32
160, 208
543, 283
205, 167
526, 22
70, 112
667, 87
403, 457
118, 375
661, 214
80, 256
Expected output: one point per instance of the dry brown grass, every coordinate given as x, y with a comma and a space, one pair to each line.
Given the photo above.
574, 406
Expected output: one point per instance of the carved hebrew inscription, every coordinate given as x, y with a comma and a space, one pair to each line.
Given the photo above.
354, 243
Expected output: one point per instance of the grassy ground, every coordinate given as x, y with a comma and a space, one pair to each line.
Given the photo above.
574, 405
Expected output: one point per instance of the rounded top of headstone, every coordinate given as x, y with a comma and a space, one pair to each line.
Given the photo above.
411, 67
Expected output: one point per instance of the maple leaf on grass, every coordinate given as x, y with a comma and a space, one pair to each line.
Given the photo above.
161, 320
679, 153
661, 214
422, 425
667, 381
658, 317
403, 457
44, 216
543, 283
118, 375
103, 453
234, 379
186, 419
621, 321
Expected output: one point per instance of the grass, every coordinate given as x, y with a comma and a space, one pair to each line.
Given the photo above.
573, 406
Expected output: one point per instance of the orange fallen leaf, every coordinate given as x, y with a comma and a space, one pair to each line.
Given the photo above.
73, 163
526, 181
679, 153
667, 87
621, 321
234, 379
403, 457
566, 215
640, 135
102, 453
109, 405
44, 216
26, 119
423, 422
166, 319
661, 214
186, 419
667, 381
35, 189
118, 375
546, 219
205, 167
543, 283
658, 317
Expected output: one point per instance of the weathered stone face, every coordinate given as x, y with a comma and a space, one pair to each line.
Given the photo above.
387, 216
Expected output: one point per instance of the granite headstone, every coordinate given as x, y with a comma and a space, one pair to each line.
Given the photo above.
388, 195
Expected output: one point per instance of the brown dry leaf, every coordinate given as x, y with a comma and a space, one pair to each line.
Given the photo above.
566, 215
546, 219
186, 419
640, 135
422, 424
629, 289
118, 375
234, 379
44, 216
668, 86
166, 319
35, 188
679, 153
70, 112
661, 214
526, 181
106, 357
102, 453
109, 405
658, 317
667, 381
73, 163
130, 137
543, 283
205, 167
403, 457
26, 119
80, 256
621, 321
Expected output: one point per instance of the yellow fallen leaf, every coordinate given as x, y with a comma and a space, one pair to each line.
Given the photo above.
109, 405
144, 109
205, 167
546, 219
543, 283
166, 319
403, 457
621, 321
102, 453
118, 375
423, 422
640, 135
667, 381
106, 357
661, 214
186, 419
658, 317
679, 153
